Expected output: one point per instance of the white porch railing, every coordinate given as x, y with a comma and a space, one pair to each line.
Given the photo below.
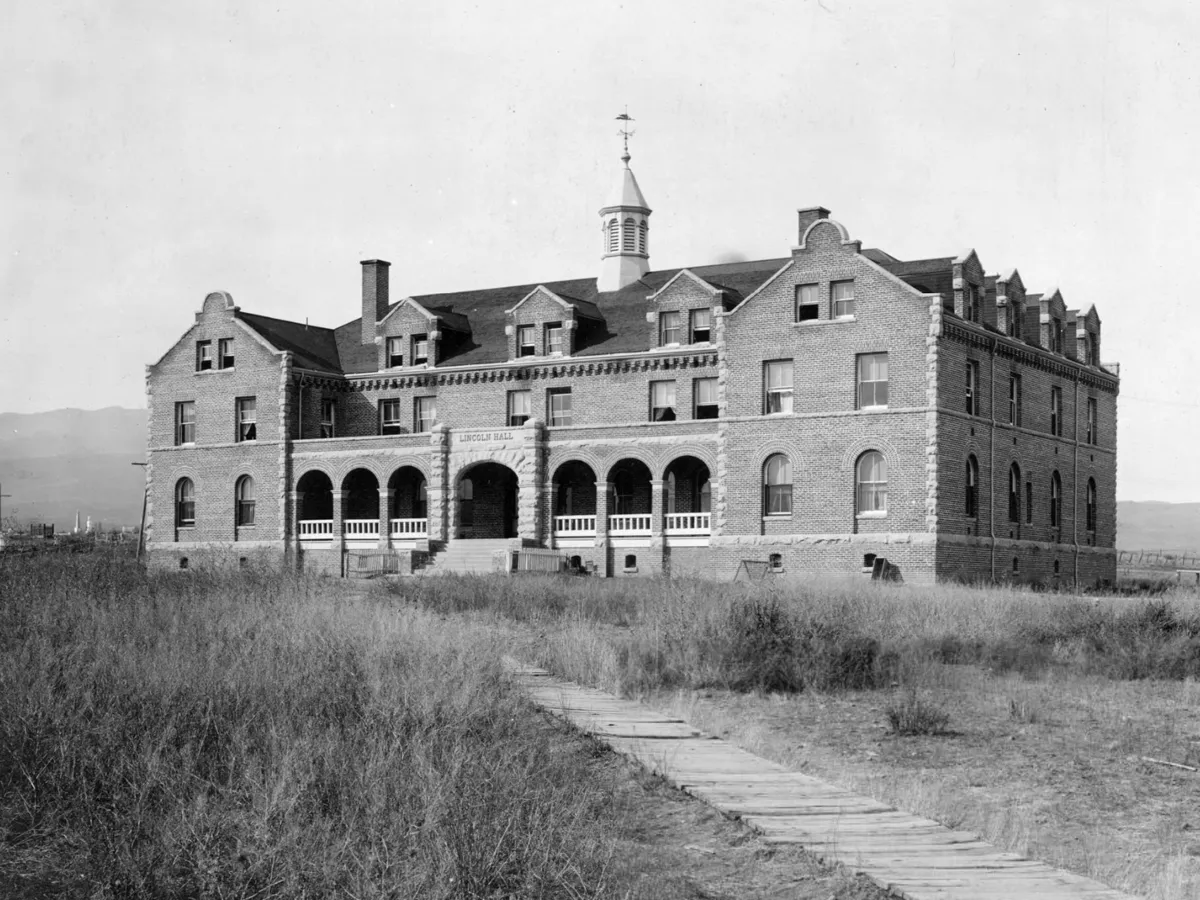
409, 528
566, 525
361, 528
636, 524
316, 529
689, 523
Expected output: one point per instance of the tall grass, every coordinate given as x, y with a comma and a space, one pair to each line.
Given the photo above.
254, 734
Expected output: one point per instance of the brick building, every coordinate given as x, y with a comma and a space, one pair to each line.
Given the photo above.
813, 412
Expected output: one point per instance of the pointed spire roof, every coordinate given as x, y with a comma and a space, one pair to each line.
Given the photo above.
626, 194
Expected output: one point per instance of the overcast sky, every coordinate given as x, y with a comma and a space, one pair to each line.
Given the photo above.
151, 152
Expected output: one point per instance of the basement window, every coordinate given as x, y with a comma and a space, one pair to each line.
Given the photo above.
630, 562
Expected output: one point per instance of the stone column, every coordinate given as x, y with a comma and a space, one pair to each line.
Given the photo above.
603, 489
297, 501
550, 493
438, 489
530, 511
385, 517
657, 507
339, 534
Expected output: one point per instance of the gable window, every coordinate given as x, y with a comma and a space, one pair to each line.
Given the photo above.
701, 326
1014, 493
420, 349
1014, 400
705, 398
424, 413
777, 486
185, 423
204, 358
971, 303
526, 341
662, 401
554, 339
518, 407
808, 303
395, 352
1090, 508
1092, 414
972, 493
972, 388
777, 385
1056, 335
244, 498
558, 406
225, 353
872, 380
185, 503
1055, 500
1093, 351
389, 417
247, 419
1056, 411
668, 328
843, 299
328, 417
871, 476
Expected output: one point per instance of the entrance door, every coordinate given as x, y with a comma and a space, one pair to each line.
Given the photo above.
487, 505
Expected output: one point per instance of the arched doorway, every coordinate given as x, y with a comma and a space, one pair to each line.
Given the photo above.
315, 506
487, 502
410, 503
689, 497
629, 488
360, 506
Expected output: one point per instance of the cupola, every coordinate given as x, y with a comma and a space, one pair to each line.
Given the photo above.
624, 231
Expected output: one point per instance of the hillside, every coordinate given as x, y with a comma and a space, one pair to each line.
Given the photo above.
1158, 526
54, 463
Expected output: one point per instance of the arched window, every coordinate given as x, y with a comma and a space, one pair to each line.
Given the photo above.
1091, 504
972, 495
777, 486
1014, 493
185, 503
642, 229
1055, 500
244, 496
614, 236
628, 236
871, 478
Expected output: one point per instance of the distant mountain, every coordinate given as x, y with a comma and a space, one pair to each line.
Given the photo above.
1153, 525
54, 463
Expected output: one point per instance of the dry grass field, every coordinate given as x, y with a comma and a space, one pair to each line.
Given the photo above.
253, 734
1022, 716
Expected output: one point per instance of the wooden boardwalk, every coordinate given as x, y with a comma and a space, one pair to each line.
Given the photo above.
913, 857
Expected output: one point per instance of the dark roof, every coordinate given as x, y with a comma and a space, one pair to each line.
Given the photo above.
312, 347
875, 255
932, 276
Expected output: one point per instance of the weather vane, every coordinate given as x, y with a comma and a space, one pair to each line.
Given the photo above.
625, 132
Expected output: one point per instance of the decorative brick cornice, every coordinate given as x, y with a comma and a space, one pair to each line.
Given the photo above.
1027, 355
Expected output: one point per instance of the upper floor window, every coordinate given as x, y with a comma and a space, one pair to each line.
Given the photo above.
1093, 436
777, 486
526, 340
247, 419
972, 388
972, 488
185, 503
424, 413
701, 325
1090, 508
871, 478
808, 303
1056, 411
1014, 400
328, 417
244, 500
1056, 335
872, 380
204, 357
705, 398
662, 401
185, 423
554, 339
389, 417
1014, 493
971, 303
395, 352
519, 407
777, 386
843, 299
558, 406
1055, 500
668, 328
225, 353
420, 349
1014, 318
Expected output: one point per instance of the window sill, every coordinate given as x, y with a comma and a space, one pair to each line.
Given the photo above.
837, 320
777, 517
881, 408
213, 371
186, 444
871, 515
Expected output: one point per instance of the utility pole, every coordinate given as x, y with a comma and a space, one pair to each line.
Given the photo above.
142, 528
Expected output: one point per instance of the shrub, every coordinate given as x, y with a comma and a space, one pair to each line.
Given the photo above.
912, 714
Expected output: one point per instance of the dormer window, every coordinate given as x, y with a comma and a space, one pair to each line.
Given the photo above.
395, 352
971, 303
554, 339
420, 349
701, 326
668, 328
204, 358
1056, 335
526, 341
225, 353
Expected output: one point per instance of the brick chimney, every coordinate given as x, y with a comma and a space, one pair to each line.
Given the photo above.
375, 296
808, 216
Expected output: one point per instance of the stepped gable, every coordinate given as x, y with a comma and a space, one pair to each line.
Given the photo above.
311, 347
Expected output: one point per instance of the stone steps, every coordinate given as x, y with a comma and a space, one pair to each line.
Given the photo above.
466, 556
